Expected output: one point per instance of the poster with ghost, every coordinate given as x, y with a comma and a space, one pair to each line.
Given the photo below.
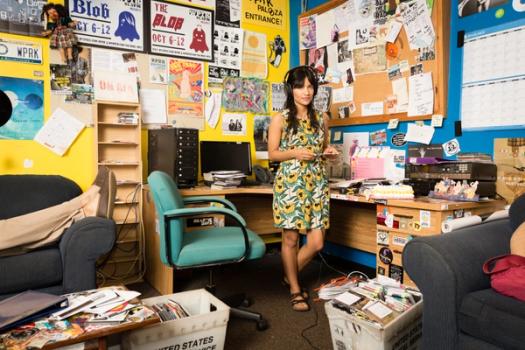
181, 31
185, 90
115, 24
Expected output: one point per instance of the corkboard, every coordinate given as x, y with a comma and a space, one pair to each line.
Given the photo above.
375, 87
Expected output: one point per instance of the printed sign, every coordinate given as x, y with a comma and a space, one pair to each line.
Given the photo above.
20, 51
115, 86
117, 24
181, 31
262, 13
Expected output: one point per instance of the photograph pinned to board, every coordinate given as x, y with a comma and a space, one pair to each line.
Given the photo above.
278, 97
185, 89
471, 7
260, 135
158, 69
391, 104
228, 13
370, 59
378, 137
22, 17
80, 93
131, 64
307, 35
59, 132
254, 62
349, 77
234, 124
317, 58
343, 112
60, 79
27, 101
323, 99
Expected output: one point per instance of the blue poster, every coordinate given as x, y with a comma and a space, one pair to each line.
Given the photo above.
27, 99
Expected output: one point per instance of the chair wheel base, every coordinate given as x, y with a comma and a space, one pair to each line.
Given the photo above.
262, 325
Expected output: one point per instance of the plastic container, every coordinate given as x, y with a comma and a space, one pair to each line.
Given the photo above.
351, 333
204, 329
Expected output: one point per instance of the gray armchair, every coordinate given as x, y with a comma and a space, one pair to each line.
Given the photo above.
64, 267
460, 310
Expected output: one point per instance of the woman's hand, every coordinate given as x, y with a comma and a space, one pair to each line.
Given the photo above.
330, 153
303, 154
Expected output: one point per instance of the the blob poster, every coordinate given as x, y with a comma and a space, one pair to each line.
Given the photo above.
107, 23
181, 31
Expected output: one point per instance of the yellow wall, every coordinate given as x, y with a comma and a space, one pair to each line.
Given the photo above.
78, 163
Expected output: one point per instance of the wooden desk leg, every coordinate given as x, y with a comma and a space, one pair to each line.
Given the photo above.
102, 343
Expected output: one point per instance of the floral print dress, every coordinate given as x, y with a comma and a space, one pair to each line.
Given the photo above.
301, 196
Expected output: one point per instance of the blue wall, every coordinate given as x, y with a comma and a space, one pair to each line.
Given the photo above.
470, 141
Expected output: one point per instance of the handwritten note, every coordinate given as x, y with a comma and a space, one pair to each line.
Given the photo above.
59, 132
421, 95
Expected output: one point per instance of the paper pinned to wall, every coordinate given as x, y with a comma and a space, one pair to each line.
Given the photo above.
421, 95
212, 109
343, 94
418, 24
351, 142
419, 133
324, 25
153, 104
59, 132
399, 88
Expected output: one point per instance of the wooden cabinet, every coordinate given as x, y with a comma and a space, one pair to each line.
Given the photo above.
117, 142
398, 221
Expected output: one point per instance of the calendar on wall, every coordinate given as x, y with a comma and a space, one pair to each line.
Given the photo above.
493, 85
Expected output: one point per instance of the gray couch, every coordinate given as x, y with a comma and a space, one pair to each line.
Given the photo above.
64, 267
460, 310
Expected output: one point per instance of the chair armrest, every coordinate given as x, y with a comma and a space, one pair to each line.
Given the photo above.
209, 199
445, 268
80, 247
188, 212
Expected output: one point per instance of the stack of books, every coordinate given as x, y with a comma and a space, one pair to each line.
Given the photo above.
224, 179
128, 118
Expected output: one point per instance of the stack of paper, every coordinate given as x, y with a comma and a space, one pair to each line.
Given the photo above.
224, 179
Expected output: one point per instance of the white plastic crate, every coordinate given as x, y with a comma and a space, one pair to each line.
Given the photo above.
203, 330
352, 333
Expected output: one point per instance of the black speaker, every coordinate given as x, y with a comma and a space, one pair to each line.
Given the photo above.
175, 151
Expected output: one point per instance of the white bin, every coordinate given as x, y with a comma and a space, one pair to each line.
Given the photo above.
203, 330
352, 333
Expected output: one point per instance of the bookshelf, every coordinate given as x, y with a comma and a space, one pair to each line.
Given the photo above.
118, 137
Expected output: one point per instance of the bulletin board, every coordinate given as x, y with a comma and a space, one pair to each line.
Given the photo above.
376, 87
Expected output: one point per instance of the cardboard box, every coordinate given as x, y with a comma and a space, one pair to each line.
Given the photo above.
204, 329
350, 332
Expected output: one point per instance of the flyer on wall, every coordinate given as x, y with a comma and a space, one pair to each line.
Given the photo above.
185, 94
181, 31
116, 24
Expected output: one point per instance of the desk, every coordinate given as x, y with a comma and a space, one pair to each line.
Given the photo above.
353, 221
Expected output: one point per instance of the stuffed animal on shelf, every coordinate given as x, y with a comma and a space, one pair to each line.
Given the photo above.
59, 29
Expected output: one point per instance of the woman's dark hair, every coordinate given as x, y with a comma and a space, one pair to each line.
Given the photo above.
61, 10
295, 79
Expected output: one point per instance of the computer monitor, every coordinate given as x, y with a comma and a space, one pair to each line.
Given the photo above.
221, 155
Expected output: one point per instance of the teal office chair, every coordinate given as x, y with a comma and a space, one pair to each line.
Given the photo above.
207, 247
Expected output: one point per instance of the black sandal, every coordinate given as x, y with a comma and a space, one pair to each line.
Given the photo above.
304, 291
298, 299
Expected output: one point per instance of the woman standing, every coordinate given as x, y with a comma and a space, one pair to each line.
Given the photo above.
298, 138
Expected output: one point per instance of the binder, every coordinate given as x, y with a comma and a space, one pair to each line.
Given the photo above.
27, 306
